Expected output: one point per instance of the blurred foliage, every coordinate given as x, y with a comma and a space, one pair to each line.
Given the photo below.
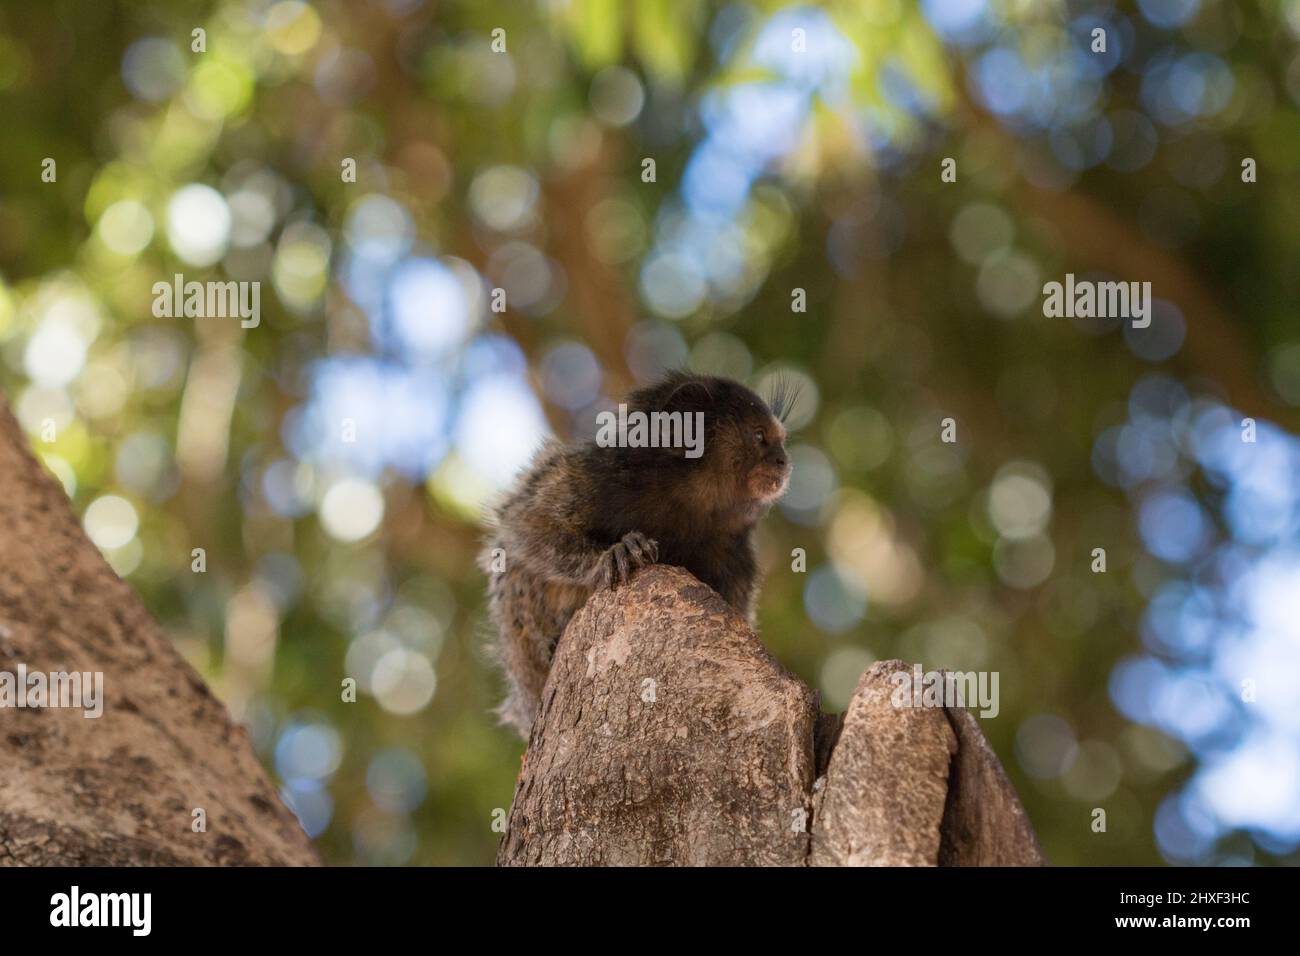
333, 461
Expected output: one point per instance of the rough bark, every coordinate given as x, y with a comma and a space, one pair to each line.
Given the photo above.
661, 699
668, 735
916, 786
119, 789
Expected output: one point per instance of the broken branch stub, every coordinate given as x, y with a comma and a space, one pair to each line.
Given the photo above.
669, 735
916, 786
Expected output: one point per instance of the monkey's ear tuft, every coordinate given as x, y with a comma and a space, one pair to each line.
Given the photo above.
784, 394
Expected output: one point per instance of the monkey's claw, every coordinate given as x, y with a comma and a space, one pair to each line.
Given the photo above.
617, 564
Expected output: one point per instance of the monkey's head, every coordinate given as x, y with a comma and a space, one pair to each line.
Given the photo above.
743, 465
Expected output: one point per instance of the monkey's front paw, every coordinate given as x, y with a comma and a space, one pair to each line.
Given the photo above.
618, 563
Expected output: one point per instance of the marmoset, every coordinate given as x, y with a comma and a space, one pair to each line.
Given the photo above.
587, 515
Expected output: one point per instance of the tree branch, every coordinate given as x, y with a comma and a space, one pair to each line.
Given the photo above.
120, 789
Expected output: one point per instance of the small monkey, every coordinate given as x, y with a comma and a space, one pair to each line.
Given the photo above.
584, 517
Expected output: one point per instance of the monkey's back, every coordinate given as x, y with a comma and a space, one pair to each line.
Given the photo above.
530, 614
529, 606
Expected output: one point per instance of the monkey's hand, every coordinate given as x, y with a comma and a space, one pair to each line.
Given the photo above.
617, 563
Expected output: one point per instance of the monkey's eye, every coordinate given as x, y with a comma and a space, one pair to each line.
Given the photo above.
759, 436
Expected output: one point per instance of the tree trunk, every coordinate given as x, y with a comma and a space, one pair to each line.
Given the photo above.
120, 789
668, 735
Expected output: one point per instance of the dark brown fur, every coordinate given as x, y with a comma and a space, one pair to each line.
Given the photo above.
584, 517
